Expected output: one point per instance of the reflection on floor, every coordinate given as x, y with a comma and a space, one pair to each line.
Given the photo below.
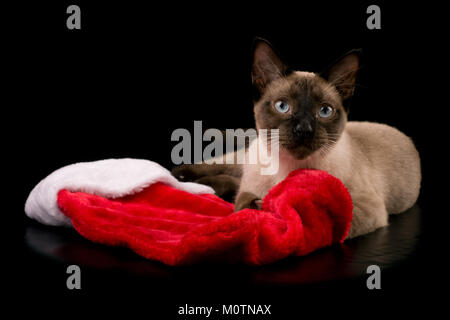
385, 247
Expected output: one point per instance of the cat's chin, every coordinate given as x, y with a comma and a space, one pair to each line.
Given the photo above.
300, 153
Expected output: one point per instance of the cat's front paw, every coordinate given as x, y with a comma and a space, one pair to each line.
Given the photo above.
247, 200
187, 172
224, 185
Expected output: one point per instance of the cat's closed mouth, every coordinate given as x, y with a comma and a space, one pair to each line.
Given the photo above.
299, 152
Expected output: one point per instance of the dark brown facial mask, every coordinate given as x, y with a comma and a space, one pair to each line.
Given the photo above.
306, 108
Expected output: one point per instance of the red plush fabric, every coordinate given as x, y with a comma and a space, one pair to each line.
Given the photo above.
308, 210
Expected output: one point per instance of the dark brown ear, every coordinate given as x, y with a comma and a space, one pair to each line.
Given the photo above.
267, 66
342, 74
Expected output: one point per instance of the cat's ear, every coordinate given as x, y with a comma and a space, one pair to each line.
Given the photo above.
342, 74
267, 66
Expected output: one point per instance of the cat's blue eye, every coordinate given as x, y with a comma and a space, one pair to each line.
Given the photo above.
282, 106
325, 111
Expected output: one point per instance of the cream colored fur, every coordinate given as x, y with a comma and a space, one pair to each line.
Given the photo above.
378, 164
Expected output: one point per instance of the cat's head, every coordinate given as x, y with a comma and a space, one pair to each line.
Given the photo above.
306, 107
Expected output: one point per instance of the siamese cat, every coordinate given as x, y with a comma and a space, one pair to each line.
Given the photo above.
378, 164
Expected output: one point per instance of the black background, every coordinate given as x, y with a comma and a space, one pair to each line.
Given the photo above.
135, 72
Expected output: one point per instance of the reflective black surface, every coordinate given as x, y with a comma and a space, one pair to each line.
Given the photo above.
386, 247
327, 281
137, 72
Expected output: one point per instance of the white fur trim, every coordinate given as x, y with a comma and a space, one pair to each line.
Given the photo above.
112, 178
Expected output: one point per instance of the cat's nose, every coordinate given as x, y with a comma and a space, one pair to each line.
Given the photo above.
303, 129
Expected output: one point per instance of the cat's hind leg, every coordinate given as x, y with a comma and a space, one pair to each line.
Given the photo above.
369, 214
